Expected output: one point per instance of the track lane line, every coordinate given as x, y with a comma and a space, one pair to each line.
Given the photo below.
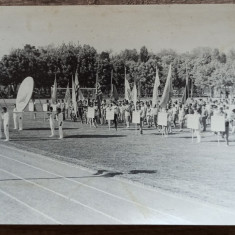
136, 184
107, 193
63, 196
30, 207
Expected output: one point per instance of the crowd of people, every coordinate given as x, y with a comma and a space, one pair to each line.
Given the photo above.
123, 110
177, 113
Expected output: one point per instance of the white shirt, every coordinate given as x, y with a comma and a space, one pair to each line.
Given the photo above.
115, 109
174, 110
154, 111
127, 110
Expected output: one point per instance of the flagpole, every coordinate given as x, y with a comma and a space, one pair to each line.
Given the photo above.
187, 80
191, 88
56, 89
111, 83
96, 82
125, 84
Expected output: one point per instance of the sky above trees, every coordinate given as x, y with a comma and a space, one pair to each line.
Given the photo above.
117, 28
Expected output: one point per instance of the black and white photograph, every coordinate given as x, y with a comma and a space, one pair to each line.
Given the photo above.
117, 115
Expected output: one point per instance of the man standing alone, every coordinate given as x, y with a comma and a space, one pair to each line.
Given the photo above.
60, 122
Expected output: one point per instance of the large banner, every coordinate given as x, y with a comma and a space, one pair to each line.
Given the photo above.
31, 107
218, 123
231, 107
193, 122
45, 107
24, 94
162, 119
90, 112
136, 117
110, 114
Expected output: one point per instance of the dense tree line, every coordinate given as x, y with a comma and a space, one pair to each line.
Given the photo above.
205, 67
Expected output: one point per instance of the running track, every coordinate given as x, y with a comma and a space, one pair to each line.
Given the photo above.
36, 189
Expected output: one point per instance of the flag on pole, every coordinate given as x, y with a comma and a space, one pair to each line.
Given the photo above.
67, 97
111, 95
80, 95
168, 90
114, 93
134, 94
98, 93
76, 85
186, 90
74, 100
155, 89
54, 92
191, 88
127, 89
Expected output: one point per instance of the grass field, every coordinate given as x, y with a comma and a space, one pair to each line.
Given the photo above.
202, 171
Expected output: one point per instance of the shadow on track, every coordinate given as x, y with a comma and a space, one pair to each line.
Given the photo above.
105, 173
33, 139
93, 136
134, 172
46, 129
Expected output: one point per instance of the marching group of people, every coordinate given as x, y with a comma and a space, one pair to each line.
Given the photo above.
123, 111
177, 113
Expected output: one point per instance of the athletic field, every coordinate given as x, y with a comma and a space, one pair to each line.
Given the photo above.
203, 172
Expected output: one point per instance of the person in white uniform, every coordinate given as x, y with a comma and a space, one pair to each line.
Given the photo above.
0, 126
5, 118
52, 121
60, 122
15, 117
197, 131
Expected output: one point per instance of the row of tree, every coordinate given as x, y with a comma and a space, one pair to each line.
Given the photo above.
205, 67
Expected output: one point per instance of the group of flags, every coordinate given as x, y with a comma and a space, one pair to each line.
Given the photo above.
167, 94
76, 92
130, 95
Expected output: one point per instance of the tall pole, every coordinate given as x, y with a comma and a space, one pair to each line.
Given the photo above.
125, 84
96, 82
139, 88
112, 83
187, 81
191, 88
97, 76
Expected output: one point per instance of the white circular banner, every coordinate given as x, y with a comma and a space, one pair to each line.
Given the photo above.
24, 94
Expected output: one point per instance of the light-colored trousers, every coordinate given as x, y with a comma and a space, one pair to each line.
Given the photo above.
20, 118
198, 134
6, 131
15, 121
52, 126
61, 132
